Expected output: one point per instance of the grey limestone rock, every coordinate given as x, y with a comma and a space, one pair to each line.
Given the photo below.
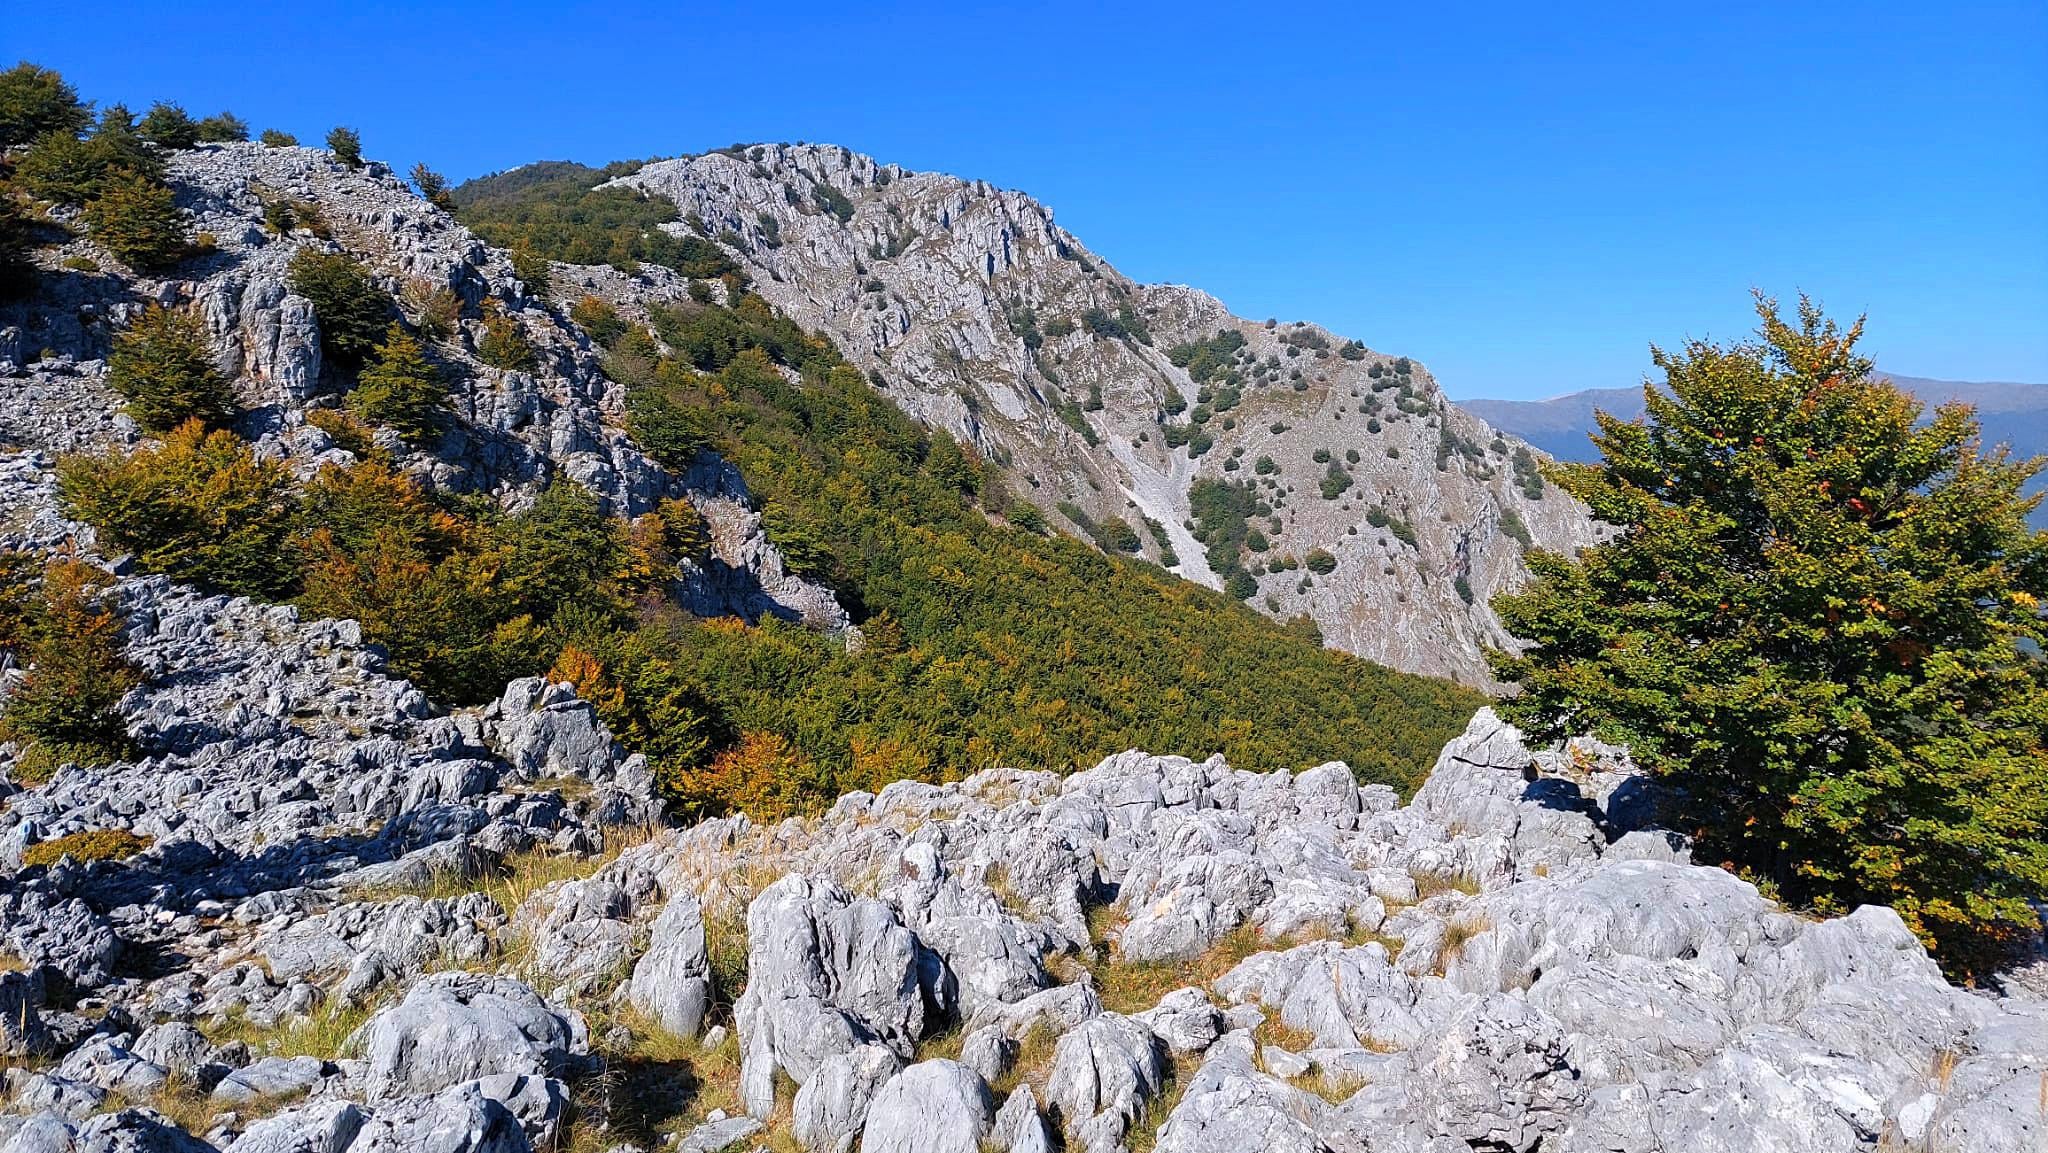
317, 1127
672, 980
826, 971
919, 284
1019, 1127
1230, 1104
713, 1136
832, 1106
1102, 1074
930, 1107
455, 1027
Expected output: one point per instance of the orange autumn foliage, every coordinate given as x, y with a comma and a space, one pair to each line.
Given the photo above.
763, 775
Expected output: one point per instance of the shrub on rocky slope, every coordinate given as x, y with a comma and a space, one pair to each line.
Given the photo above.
1822, 623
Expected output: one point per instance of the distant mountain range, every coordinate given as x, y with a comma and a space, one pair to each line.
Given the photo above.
2012, 414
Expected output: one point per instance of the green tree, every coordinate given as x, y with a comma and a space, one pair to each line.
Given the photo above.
119, 142
346, 146
599, 320
163, 366
560, 552
352, 312
68, 706
1822, 622
504, 345
222, 128
199, 507
35, 101
61, 167
168, 125
273, 138
433, 187
1118, 535
533, 270
401, 388
17, 275
136, 218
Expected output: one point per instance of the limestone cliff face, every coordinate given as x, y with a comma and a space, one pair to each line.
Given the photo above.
978, 314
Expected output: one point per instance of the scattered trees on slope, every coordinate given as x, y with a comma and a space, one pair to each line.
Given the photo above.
353, 313
199, 507
1822, 621
347, 146
984, 643
401, 388
36, 101
61, 626
63, 168
164, 368
556, 211
994, 645
136, 218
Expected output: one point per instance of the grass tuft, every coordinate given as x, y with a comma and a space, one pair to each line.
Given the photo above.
1428, 885
1132, 987
1144, 1134
323, 1033
1457, 934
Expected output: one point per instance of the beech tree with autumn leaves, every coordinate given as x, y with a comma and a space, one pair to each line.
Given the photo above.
1821, 623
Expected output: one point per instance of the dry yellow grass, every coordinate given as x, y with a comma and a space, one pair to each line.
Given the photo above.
944, 1044
91, 845
1131, 987
1033, 1060
1428, 885
323, 1033
1457, 934
1144, 1134
659, 1085
1274, 1031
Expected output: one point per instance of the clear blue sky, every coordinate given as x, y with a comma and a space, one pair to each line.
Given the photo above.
1522, 199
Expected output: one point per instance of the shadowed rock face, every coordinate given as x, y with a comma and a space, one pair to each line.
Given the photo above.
972, 310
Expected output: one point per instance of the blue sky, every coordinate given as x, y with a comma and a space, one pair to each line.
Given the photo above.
1522, 199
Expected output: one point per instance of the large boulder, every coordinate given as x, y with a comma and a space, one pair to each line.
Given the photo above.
456, 1027
1486, 783
1230, 1104
930, 1107
826, 972
500, 1114
991, 955
61, 934
1102, 1074
832, 1106
328, 1126
672, 980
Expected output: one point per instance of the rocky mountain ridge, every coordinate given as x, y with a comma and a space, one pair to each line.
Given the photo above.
977, 314
518, 428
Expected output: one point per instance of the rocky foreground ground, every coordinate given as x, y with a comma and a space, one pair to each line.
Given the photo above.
358, 927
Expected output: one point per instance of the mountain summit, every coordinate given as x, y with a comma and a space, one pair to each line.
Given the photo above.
1305, 472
